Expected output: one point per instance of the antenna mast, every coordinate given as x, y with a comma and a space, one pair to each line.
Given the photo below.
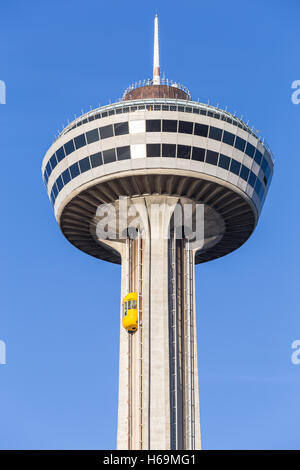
156, 68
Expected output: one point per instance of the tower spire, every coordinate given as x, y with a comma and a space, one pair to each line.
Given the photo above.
156, 68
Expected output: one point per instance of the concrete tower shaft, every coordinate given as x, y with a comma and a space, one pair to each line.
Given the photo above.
158, 378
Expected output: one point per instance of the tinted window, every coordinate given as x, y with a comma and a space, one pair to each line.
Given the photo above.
228, 138
69, 147
92, 136
252, 179
244, 172
183, 151
96, 159
60, 154
106, 131
235, 167
264, 165
79, 141
168, 150
55, 190
153, 150
250, 149
211, 157
224, 162
53, 161
198, 154
215, 133
258, 186
258, 157
169, 126
123, 152
48, 169
153, 125
201, 129
240, 143
268, 172
109, 156
74, 170
185, 127
66, 176
84, 164
59, 183
121, 128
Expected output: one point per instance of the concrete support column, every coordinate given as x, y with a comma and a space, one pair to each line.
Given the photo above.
146, 403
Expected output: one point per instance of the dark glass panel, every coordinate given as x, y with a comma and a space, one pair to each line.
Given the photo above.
123, 153
185, 127
169, 125
244, 172
198, 154
69, 147
121, 128
211, 157
74, 170
215, 133
168, 150
79, 141
153, 150
252, 179
257, 186
48, 169
96, 159
250, 149
55, 190
59, 183
184, 151
235, 167
66, 176
106, 132
84, 164
267, 172
201, 129
153, 125
240, 143
60, 154
264, 165
258, 157
109, 156
228, 138
53, 161
224, 162
92, 136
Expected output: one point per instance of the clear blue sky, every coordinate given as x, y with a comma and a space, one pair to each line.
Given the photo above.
59, 387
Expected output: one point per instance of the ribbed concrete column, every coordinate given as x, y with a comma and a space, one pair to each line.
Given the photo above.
147, 380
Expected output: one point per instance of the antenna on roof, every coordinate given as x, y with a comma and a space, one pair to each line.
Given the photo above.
156, 67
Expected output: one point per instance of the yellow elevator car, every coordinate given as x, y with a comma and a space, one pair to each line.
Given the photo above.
130, 312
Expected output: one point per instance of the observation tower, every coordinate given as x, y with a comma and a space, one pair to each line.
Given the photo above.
117, 177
